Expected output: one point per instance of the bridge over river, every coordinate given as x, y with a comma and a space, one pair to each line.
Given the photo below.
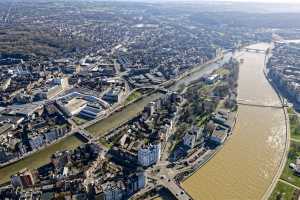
256, 50
244, 102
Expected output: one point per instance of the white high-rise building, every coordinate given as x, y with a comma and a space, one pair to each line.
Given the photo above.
149, 155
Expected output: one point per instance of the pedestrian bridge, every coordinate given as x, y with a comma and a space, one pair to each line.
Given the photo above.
254, 104
255, 50
260, 105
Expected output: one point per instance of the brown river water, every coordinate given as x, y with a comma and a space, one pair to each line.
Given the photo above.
245, 167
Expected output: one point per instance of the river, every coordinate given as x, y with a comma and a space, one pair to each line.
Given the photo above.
244, 168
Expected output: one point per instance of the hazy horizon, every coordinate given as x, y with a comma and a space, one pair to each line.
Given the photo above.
262, 1
233, 1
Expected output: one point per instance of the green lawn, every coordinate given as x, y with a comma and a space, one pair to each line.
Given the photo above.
207, 88
288, 174
201, 120
283, 191
105, 143
222, 71
133, 96
112, 142
294, 124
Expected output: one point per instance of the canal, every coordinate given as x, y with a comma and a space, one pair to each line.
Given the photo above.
118, 118
42, 157
244, 168
39, 158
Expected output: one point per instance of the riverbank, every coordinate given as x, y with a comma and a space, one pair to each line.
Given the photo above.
272, 186
198, 157
256, 146
283, 188
270, 189
213, 153
288, 182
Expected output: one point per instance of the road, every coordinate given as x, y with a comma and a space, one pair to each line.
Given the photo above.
295, 140
165, 177
285, 182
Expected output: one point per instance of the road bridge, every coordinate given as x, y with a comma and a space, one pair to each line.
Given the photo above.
84, 134
159, 88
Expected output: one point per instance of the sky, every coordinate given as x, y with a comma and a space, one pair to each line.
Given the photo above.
267, 1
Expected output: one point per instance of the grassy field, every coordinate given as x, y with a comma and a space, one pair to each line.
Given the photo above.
201, 120
294, 124
222, 71
135, 95
283, 191
288, 174
105, 143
